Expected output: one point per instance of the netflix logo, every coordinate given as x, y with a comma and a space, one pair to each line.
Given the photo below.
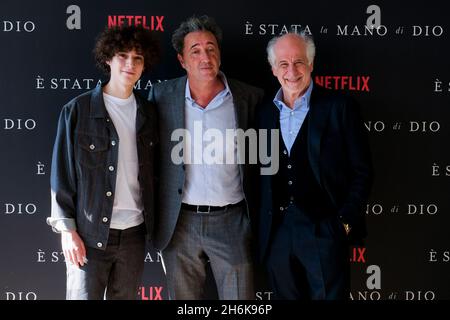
347, 83
153, 23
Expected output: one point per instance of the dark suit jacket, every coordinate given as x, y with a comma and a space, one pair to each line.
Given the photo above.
169, 97
339, 154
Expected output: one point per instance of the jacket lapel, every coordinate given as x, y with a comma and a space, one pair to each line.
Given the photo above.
319, 113
178, 103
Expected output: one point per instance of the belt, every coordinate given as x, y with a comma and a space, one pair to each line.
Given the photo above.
208, 209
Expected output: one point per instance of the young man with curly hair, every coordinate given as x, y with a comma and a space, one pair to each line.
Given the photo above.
102, 175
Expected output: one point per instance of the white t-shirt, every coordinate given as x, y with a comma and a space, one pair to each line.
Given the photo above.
128, 207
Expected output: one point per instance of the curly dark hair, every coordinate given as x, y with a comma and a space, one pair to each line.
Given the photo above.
193, 24
126, 38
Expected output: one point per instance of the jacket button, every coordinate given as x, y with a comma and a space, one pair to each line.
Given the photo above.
109, 194
92, 147
151, 143
289, 166
290, 182
111, 168
105, 219
99, 244
113, 143
179, 191
284, 152
281, 208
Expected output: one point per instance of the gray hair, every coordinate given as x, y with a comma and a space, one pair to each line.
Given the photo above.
310, 47
193, 24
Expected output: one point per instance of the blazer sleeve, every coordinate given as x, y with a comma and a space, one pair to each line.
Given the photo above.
360, 169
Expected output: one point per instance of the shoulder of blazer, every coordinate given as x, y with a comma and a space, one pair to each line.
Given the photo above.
322, 96
243, 89
171, 85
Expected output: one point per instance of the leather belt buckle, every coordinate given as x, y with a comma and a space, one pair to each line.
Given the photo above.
201, 207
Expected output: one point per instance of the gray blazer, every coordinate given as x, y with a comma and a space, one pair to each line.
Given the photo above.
169, 98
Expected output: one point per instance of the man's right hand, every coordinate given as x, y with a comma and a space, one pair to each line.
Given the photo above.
73, 248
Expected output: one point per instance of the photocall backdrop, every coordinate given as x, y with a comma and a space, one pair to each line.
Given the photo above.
398, 71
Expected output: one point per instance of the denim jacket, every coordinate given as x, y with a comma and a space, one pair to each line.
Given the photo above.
86, 145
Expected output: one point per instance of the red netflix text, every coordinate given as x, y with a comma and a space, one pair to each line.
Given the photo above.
153, 23
150, 293
351, 83
358, 255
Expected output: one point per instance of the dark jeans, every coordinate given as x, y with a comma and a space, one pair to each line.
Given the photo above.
114, 273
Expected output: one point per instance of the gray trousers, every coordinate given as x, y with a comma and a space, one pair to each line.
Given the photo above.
221, 237
111, 274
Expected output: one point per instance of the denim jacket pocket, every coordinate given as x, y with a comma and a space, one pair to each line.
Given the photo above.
92, 151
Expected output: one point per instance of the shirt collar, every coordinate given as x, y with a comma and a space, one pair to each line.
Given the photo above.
300, 102
223, 93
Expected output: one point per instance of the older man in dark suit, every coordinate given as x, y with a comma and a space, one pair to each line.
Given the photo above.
204, 204
314, 204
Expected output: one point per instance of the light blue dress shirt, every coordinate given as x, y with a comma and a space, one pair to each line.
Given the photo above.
291, 120
214, 184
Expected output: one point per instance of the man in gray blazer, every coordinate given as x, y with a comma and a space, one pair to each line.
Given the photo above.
205, 201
